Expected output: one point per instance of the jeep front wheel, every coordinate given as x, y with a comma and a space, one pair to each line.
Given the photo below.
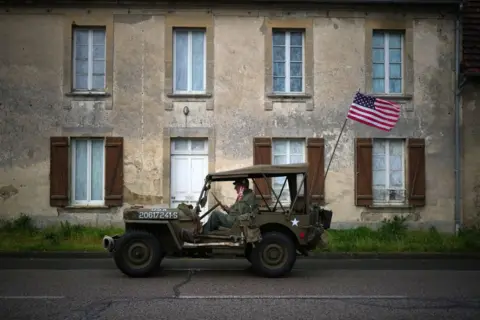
274, 255
138, 254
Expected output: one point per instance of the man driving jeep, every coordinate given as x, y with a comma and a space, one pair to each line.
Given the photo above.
245, 203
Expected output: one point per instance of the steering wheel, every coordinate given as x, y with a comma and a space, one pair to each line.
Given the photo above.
219, 202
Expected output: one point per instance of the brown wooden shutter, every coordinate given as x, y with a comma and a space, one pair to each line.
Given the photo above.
316, 170
363, 172
416, 172
114, 171
262, 154
59, 182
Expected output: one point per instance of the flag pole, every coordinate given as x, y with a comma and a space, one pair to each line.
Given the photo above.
335, 147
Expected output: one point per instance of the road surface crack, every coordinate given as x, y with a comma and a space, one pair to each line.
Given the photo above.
176, 288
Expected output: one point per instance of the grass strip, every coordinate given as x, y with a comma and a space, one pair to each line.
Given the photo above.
20, 235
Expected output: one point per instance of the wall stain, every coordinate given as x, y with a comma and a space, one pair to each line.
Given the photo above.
7, 192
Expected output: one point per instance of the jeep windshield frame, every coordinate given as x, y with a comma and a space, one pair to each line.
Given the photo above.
289, 171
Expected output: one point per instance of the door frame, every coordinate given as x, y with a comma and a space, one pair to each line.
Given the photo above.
170, 133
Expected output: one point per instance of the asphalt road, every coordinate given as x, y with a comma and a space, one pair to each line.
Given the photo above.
226, 289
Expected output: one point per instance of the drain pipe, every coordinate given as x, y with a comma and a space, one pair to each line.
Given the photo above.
458, 175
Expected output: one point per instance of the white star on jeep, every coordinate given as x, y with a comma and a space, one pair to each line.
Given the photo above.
295, 222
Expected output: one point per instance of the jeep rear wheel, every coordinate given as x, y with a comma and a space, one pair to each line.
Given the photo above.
274, 255
138, 254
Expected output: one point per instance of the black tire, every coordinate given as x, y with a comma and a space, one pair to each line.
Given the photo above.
248, 253
149, 246
271, 243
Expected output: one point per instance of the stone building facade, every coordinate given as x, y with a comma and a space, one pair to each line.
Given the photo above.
112, 105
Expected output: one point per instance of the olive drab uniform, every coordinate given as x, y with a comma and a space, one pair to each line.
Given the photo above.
219, 219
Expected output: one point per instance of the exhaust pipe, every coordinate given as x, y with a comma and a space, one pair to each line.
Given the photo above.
108, 243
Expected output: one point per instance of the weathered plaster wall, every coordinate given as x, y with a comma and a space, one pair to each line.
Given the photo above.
32, 106
471, 153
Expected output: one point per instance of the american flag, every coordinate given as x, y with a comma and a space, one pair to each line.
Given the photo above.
374, 112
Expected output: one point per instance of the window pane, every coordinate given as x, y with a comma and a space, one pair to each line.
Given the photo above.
296, 147
279, 69
279, 84
81, 82
378, 70
379, 162
280, 159
396, 179
395, 71
379, 179
198, 145
378, 85
97, 170
99, 37
296, 159
98, 52
99, 67
81, 182
379, 147
395, 56
198, 63
296, 38
395, 86
296, 85
296, 54
396, 147
280, 147
81, 36
378, 40
395, 162
98, 82
181, 60
296, 69
395, 41
279, 54
378, 56
181, 145
81, 52
278, 38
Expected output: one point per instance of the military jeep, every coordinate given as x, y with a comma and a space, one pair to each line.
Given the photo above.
270, 236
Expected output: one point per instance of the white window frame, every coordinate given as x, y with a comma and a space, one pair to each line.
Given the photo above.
190, 61
386, 201
87, 202
189, 151
90, 60
386, 61
288, 154
287, 61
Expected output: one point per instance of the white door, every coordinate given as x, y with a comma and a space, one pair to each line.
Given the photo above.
189, 166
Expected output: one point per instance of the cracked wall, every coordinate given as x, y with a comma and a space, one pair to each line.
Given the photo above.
34, 104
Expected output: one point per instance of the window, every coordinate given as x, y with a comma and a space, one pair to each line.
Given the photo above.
189, 52
288, 65
387, 53
89, 67
287, 151
388, 171
88, 163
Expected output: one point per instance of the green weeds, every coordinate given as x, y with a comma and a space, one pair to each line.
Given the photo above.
392, 236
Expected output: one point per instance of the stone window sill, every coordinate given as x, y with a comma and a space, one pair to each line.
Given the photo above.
189, 95
91, 94
289, 96
84, 207
392, 97
390, 206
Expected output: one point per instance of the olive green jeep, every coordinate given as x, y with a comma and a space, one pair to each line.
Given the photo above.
270, 236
